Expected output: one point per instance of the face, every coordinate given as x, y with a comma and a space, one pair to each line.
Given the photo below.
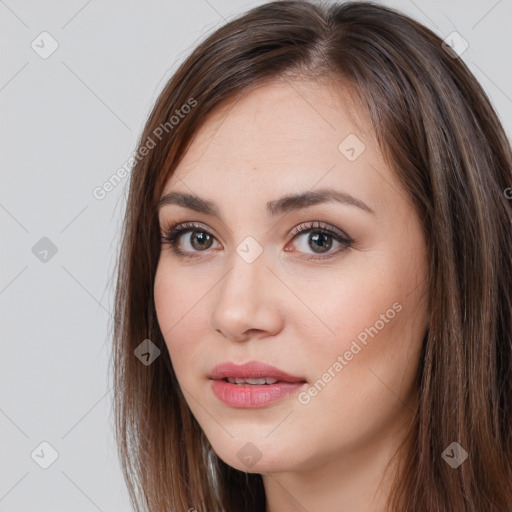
330, 289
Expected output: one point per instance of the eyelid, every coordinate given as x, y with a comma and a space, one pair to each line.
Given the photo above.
188, 226
312, 225
305, 226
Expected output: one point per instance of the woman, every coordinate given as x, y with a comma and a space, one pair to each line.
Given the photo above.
313, 303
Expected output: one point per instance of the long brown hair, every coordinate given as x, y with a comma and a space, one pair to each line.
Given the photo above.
441, 136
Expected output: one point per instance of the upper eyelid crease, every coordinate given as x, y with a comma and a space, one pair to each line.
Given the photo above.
277, 207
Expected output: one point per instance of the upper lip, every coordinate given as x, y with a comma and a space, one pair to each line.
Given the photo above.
251, 370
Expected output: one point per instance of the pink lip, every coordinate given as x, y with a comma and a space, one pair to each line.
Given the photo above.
251, 370
250, 395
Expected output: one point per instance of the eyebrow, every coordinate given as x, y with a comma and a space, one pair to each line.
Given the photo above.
280, 206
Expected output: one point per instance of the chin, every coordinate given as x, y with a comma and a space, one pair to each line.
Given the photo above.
260, 466
251, 457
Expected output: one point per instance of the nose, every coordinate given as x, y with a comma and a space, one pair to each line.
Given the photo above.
246, 304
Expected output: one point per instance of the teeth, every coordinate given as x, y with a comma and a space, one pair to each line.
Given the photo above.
263, 380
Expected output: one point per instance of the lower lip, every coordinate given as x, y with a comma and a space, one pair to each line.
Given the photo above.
249, 395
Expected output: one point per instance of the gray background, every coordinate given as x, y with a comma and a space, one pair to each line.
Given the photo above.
67, 123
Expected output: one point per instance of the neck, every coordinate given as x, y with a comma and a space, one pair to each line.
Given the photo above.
356, 481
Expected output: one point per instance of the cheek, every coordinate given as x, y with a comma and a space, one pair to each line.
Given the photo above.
368, 325
180, 315
342, 308
358, 371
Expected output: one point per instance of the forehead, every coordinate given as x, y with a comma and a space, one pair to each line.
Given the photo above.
282, 138
282, 125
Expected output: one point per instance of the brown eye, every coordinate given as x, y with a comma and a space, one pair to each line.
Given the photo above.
320, 240
200, 240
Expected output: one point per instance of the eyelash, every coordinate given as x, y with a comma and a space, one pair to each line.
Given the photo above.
171, 234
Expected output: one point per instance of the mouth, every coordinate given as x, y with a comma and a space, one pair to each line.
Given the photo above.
254, 373
264, 381
253, 384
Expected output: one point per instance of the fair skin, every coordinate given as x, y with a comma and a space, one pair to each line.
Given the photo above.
288, 310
